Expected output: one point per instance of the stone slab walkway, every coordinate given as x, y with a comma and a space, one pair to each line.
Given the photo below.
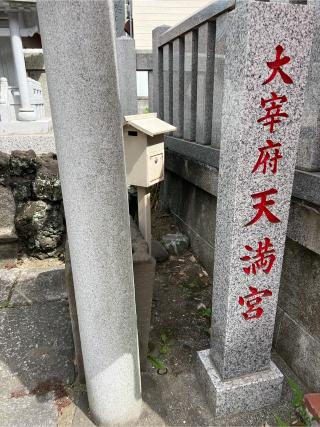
36, 378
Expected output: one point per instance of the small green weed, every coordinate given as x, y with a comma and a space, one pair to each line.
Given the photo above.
5, 304
299, 406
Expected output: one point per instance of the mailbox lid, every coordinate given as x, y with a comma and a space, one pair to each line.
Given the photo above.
149, 124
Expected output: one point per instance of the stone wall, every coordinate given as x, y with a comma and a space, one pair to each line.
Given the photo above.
189, 193
31, 208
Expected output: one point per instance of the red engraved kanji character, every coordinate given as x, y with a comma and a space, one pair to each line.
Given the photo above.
252, 300
273, 112
276, 65
262, 206
269, 156
263, 259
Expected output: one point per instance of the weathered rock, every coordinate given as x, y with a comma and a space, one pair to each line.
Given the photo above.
175, 244
40, 225
47, 183
21, 187
158, 251
4, 167
23, 162
7, 213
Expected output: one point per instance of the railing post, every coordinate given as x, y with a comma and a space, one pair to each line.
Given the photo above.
190, 84
157, 106
205, 81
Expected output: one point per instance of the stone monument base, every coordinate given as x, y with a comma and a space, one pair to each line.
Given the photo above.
245, 393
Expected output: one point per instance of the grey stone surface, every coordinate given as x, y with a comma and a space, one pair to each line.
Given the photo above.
126, 63
207, 13
88, 132
178, 85
158, 251
150, 90
222, 28
120, 17
199, 174
37, 346
29, 411
167, 83
30, 285
37, 285
175, 244
309, 145
299, 294
241, 394
157, 98
40, 226
298, 348
47, 182
205, 74
39, 143
240, 346
305, 185
7, 213
304, 225
195, 212
144, 272
190, 85
8, 253
79, 367
144, 60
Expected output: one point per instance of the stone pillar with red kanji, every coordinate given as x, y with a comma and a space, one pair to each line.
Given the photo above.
267, 60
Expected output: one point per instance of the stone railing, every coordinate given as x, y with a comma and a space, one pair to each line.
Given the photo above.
10, 100
188, 84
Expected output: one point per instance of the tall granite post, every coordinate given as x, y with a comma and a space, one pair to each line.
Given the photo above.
267, 60
87, 122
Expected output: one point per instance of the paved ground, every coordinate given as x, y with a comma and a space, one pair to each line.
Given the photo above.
35, 379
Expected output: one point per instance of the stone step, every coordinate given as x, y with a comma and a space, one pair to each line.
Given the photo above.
25, 286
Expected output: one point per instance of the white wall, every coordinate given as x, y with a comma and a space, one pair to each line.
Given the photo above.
149, 14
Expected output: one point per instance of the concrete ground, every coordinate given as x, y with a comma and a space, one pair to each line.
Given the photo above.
36, 377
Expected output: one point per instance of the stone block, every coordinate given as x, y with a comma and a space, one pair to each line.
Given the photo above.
308, 157
175, 244
304, 224
158, 251
144, 271
299, 349
38, 285
7, 213
299, 294
144, 60
241, 394
36, 345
